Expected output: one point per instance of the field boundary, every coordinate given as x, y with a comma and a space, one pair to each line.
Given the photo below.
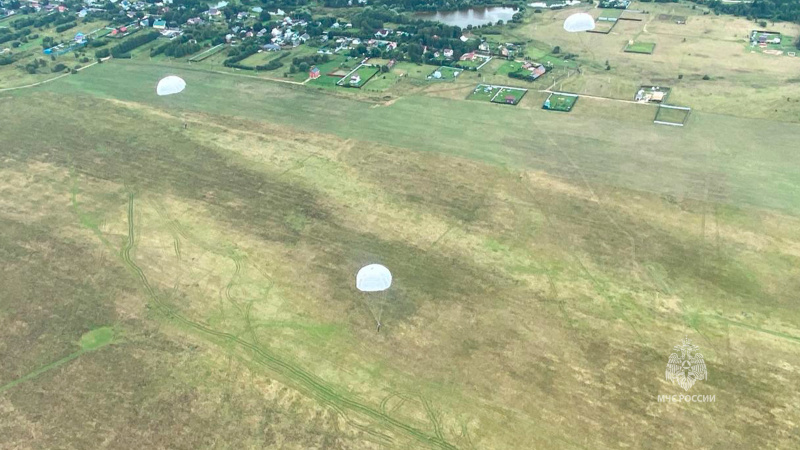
563, 94
363, 82
674, 124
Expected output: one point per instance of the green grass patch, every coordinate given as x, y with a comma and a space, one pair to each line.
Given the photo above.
97, 338
509, 96
560, 102
364, 73
610, 15
445, 73
646, 48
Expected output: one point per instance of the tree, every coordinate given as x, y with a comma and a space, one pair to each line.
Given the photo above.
384, 68
303, 67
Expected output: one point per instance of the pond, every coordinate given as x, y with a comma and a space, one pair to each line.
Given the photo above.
472, 16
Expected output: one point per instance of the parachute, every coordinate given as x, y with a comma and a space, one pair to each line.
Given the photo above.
374, 279
579, 22
170, 85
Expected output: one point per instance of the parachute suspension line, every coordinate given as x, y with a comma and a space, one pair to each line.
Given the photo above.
586, 47
374, 280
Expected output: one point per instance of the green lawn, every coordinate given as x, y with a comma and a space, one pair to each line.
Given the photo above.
470, 64
640, 47
503, 93
483, 92
383, 81
610, 13
365, 72
338, 62
560, 102
508, 67
259, 59
447, 73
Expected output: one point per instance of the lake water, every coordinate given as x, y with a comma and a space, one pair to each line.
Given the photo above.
471, 16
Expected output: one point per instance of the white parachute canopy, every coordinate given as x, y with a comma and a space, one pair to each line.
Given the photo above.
579, 22
170, 85
373, 278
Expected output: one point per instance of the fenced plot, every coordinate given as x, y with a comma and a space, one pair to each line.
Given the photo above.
672, 115
475, 63
646, 48
609, 15
509, 95
506, 95
603, 26
359, 76
560, 101
445, 73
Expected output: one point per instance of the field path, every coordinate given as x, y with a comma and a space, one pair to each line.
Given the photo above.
304, 381
45, 81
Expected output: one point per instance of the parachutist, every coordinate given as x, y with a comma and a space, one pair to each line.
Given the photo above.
379, 327
185, 125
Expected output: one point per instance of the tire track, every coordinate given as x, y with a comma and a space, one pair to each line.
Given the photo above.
309, 383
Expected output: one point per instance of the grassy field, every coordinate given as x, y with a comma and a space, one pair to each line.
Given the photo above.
545, 266
446, 73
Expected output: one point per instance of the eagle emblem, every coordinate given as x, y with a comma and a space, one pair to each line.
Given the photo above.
686, 367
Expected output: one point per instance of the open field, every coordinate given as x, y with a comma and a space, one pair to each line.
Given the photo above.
545, 265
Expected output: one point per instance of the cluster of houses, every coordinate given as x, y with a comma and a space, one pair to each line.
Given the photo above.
507, 50
557, 5
615, 4
289, 32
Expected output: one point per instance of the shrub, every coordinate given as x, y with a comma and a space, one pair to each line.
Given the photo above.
59, 67
65, 27
706, 77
